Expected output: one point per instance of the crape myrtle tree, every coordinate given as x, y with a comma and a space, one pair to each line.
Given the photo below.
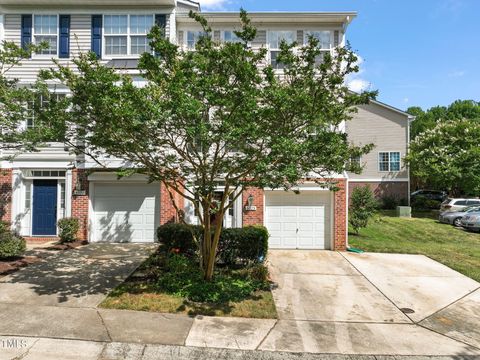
216, 115
448, 156
18, 102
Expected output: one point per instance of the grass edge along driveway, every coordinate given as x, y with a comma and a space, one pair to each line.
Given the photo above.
453, 247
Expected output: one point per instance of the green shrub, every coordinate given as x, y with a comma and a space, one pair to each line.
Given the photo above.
182, 278
244, 245
11, 245
68, 229
4, 227
363, 207
180, 236
248, 244
424, 203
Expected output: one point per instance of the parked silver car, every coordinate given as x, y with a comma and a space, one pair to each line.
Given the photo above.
458, 204
455, 217
471, 221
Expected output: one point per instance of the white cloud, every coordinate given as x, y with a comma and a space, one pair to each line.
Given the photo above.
406, 100
355, 81
358, 85
457, 73
213, 4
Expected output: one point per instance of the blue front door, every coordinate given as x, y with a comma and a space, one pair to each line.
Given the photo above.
44, 209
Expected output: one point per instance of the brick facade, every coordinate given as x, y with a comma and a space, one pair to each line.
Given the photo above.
80, 203
253, 217
6, 178
340, 217
168, 213
395, 189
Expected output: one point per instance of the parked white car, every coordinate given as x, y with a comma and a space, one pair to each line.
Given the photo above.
452, 204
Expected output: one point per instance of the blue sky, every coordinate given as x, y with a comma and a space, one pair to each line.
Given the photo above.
415, 52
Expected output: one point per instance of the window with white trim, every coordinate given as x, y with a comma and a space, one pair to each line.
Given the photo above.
42, 102
325, 42
389, 161
62, 197
127, 34
28, 195
45, 29
356, 161
192, 38
230, 36
275, 38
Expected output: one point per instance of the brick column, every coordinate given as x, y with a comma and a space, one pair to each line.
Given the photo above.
340, 216
6, 178
253, 217
80, 203
168, 213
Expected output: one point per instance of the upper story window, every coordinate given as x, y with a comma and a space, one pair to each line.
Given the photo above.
45, 29
127, 34
324, 38
275, 38
230, 36
389, 161
325, 42
40, 102
193, 37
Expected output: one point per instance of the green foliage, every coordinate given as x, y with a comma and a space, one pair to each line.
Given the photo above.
182, 278
238, 245
448, 156
215, 113
68, 229
363, 206
11, 245
390, 202
180, 236
424, 203
427, 120
14, 98
247, 244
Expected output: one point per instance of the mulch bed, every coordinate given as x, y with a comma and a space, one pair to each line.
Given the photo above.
67, 246
9, 266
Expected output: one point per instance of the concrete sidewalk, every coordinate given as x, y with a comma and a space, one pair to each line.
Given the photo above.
327, 302
12, 348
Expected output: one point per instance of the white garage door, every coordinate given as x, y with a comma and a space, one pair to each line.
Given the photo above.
125, 212
298, 221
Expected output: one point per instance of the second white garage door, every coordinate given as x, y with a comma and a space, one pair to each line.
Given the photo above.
298, 221
126, 212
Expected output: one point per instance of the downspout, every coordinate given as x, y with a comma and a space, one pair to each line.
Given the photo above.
409, 121
347, 183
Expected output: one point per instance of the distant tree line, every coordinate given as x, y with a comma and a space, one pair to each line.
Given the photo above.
445, 148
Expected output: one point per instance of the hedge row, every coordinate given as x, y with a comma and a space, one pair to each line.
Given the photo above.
248, 244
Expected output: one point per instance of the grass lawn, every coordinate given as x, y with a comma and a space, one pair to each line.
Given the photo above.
139, 292
454, 247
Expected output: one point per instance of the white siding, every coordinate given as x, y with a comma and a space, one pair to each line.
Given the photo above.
80, 34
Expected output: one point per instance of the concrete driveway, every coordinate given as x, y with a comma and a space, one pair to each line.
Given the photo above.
376, 304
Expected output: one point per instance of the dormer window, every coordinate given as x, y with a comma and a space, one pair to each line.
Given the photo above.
45, 29
127, 34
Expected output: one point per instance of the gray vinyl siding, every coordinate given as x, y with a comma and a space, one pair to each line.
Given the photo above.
387, 130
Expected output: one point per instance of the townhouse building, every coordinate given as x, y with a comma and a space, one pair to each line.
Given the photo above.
41, 187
